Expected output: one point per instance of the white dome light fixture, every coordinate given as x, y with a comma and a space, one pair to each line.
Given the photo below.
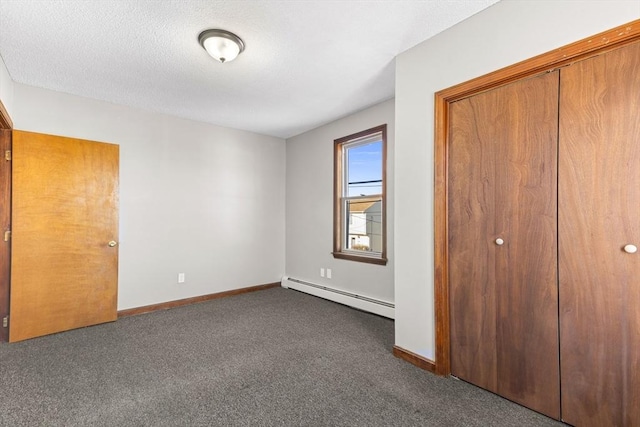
222, 45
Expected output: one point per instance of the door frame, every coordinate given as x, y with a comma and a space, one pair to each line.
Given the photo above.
583, 49
6, 126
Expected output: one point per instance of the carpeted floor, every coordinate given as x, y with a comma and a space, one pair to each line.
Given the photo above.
270, 358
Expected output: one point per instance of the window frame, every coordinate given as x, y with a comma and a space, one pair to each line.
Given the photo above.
339, 199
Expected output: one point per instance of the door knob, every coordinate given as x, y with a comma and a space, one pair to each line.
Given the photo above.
499, 242
630, 249
112, 243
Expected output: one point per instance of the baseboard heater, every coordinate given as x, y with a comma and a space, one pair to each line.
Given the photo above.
360, 302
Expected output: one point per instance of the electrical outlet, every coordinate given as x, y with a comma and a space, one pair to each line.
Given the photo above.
322, 272
328, 273
180, 277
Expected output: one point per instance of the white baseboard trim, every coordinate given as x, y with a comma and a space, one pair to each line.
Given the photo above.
372, 305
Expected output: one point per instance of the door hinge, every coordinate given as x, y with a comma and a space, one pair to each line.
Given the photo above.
7, 155
7, 235
5, 321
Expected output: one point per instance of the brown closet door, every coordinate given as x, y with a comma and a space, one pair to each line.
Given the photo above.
599, 204
503, 298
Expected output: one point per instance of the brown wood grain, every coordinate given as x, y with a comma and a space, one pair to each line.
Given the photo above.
414, 359
65, 211
5, 224
5, 120
502, 184
582, 49
526, 214
472, 275
441, 237
188, 301
599, 198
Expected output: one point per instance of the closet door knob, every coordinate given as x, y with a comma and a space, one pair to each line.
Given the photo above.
630, 249
499, 242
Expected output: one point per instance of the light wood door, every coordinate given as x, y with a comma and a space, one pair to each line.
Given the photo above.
503, 297
599, 213
65, 213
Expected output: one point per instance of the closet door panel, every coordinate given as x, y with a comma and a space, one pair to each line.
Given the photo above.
599, 204
502, 185
527, 344
472, 217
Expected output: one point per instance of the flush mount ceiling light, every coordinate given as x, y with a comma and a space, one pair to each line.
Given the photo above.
222, 45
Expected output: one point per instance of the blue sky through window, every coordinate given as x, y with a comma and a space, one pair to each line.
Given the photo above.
365, 169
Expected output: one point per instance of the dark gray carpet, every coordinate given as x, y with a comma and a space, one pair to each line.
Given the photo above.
270, 358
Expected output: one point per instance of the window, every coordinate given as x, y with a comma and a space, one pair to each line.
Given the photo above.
359, 215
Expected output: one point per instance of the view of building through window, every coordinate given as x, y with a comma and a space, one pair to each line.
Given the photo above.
359, 207
363, 200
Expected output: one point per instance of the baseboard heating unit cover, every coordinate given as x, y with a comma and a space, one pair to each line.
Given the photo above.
372, 305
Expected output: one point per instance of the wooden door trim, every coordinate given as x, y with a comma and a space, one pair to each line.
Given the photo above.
5, 120
5, 225
5, 218
583, 49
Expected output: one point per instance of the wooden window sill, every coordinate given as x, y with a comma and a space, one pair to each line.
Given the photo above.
365, 259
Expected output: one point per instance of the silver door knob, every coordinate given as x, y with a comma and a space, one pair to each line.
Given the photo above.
630, 249
112, 243
499, 242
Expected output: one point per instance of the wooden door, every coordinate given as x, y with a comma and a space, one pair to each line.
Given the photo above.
503, 297
65, 213
599, 204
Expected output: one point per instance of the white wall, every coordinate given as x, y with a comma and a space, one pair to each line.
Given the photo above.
195, 198
505, 33
6, 88
309, 203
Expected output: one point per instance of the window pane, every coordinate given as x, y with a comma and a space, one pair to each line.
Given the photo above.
364, 226
359, 196
364, 169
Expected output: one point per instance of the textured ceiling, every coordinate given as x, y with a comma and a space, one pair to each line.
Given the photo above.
306, 63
